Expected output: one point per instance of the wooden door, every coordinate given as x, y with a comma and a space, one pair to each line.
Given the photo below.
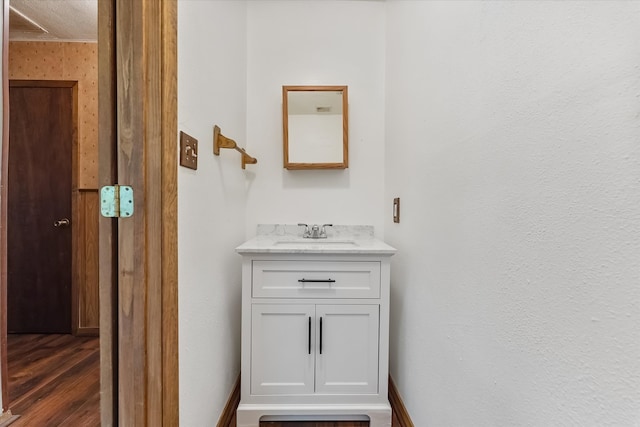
41, 133
138, 255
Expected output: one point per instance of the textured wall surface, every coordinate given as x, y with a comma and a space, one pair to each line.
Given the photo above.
235, 80
67, 61
343, 44
513, 138
511, 135
211, 205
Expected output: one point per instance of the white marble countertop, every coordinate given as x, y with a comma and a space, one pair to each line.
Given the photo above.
341, 239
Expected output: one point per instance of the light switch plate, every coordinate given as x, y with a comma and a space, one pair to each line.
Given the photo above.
188, 151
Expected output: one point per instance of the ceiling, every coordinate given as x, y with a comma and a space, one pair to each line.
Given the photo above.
53, 20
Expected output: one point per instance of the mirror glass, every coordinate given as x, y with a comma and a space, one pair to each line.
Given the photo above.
315, 127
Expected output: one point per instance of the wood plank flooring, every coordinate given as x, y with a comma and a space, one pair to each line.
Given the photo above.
54, 380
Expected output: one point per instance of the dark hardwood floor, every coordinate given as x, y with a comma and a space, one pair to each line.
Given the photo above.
54, 380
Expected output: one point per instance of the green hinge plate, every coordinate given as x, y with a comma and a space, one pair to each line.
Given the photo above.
116, 201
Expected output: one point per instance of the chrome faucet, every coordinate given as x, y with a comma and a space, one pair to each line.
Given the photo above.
306, 233
315, 232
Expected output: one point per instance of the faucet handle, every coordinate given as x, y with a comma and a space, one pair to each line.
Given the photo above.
306, 232
323, 232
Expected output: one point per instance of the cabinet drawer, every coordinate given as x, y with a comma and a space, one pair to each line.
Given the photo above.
316, 279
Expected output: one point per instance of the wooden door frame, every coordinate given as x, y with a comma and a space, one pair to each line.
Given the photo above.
138, 256
4, 371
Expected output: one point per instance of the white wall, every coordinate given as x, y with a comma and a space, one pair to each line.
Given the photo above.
513, 133
211, 204
318, 42
233, 58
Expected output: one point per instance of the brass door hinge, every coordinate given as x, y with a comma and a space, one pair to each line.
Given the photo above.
116, 201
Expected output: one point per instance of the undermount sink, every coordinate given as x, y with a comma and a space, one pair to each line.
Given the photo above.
312, 242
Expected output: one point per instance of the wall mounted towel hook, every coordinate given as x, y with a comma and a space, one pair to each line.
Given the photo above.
221, 141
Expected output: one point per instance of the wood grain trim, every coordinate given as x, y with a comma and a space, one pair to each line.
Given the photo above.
138, 279
303, 166
4, 367
74, 198
52, 83
77, 260
229, 411
108, 227
133, 260
86, 331
75, 218
345, 128
147, 257
86, 302
170, 395
151, 126
90, 318
398, 406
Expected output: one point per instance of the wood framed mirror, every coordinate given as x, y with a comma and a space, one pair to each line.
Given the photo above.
315, 127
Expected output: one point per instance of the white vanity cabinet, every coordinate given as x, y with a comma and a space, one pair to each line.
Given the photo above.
314, 349
314, 332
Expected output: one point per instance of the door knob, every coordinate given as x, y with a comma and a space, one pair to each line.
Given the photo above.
64, 222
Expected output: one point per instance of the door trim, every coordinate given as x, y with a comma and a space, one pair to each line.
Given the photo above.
107, 229
169, 224
4, 369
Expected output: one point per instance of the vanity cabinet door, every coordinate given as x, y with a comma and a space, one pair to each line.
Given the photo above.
282, 361
347, 349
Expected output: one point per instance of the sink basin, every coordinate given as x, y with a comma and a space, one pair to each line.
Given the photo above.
316, 242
